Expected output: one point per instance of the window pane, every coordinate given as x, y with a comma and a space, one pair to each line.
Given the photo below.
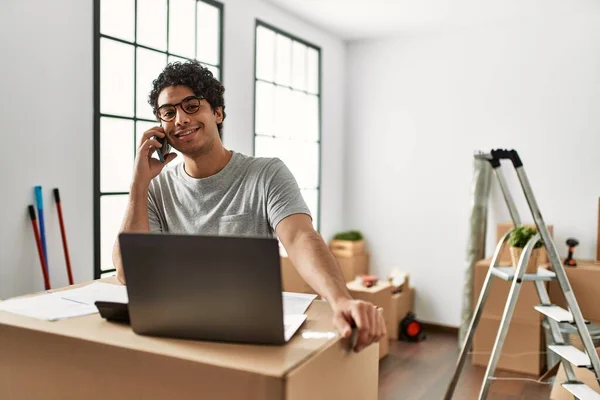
283, 64
182, 22
116, 18
149, 65
116, 154
116, 78
112, 211
172, 59
312, 72
297, 122
265, 54
269, 147
283, 112
299, 66
207, 41
152, 23
311, 197
302, 158
215, 71
311, 131
265, 108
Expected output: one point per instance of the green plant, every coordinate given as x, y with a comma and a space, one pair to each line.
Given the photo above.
520, 236
349, 235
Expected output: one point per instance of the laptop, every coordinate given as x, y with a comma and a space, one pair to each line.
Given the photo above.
221, 288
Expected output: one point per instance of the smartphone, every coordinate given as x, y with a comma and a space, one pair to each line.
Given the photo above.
164, 150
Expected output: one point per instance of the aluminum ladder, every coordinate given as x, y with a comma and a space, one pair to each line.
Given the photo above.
569, 356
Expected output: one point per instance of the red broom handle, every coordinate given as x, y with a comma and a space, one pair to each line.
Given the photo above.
64, 236
38, 242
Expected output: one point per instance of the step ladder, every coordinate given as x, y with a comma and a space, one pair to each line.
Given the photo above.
569, 356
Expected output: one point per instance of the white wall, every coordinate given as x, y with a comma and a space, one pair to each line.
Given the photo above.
418, 107
46, 109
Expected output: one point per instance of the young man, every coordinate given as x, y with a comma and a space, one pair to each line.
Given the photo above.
220, 192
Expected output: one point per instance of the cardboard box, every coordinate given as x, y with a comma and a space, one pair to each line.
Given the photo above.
384, 347
504, 227
347, 248
496, 301
90, 358
353, 266
585, 282
523, 349
402, 303
291, 280
584, 375
379, 295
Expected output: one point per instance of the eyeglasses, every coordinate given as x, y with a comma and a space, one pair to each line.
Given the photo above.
189, 105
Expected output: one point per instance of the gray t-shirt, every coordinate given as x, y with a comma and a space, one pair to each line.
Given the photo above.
248, 197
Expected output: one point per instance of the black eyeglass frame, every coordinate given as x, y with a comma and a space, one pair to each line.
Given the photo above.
180, 105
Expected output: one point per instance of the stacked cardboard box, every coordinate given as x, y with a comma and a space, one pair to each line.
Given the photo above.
403, 297
352, 257
380, 295
291, 281
524, 344
585, 282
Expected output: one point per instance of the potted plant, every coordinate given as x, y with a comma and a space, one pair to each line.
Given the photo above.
348, 243
517, 240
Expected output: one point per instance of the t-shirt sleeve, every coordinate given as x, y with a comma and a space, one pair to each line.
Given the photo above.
283, 194
153, 215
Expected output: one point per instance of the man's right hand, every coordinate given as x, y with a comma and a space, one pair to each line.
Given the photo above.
147, 167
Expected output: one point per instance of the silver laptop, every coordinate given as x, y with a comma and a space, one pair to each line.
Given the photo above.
219, 288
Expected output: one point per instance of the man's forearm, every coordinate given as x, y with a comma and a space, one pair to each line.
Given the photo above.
318, 267
135, 220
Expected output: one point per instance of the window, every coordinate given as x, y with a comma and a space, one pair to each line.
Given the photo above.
134, 40
287, 121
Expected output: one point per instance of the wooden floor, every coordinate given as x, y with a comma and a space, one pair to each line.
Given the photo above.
422, 371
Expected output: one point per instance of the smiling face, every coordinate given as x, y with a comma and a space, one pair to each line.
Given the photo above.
193, 131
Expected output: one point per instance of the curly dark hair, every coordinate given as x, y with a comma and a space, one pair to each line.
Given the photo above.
195, 76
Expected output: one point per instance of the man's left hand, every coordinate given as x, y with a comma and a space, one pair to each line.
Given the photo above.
364, 316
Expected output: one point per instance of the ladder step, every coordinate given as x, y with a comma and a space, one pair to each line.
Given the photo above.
572, 354
557, 313
508, 273
581, 391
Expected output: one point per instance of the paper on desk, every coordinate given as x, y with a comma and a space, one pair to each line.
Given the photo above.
48, 307
97, 291
291, 323
296, 303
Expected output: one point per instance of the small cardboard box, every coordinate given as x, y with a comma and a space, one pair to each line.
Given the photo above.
523, 349
496, 301
353, 266
584, 375
347, 248
380, 295
585, 282
291, 280
504, 227
402, 303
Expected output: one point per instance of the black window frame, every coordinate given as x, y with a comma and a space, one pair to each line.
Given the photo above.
98, 272
261, 23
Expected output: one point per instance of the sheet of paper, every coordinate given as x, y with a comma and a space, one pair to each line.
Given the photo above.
296, 303
48, 307
97, 291
291, 323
